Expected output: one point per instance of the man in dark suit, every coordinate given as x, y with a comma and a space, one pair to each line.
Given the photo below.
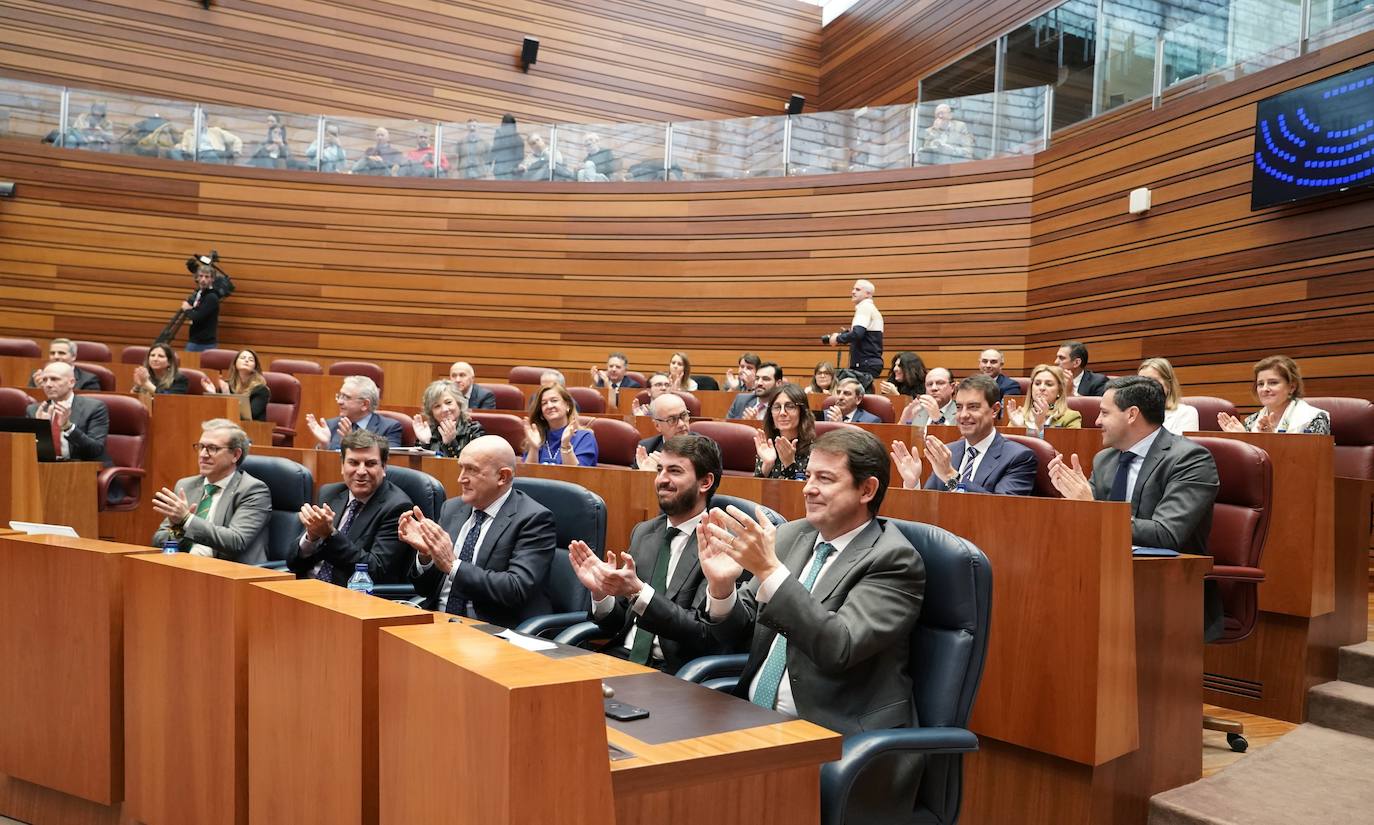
1072, 357
478, 398
64, 350
1170, 481
990, 363
80, 424
846, 407
829, 612
222, 511
614, 375
983, 461
489, 555
355, 522
659, 622
750, 404
671, 418
357, 399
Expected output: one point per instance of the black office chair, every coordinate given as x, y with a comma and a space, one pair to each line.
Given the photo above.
948, 649
578, 513
291, 486
425, 492
722, 501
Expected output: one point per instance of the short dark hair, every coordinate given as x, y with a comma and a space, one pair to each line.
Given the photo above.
360, 439
865, 456
1076, 350
1140, 392
777, 370
751, 359
982, 383
619, 355
703, 452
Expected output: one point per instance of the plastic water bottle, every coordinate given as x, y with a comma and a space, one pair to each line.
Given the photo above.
171, 545
360, 581
961, 487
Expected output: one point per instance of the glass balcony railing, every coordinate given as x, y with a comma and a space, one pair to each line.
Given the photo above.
857, 140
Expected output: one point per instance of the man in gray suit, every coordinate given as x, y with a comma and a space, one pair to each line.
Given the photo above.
80, 424
222, 512
833, 600
1170, 481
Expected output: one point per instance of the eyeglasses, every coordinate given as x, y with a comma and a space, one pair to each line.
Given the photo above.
212, 449
682, 417
788, 407
340, 397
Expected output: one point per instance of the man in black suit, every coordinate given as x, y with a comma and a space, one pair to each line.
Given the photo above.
670, 418
659, 622
478, 398
355, 522
489, 555
990, 363
1072, 357
614, 375
357, 398
750, 404
64, 350
1170, 481
80, 424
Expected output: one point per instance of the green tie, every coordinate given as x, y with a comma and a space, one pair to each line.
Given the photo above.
770, 675
644, 640
206, 500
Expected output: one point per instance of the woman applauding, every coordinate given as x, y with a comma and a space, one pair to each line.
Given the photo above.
160, 373
553, 434
444, 426
1047, 405
784, 444
1278, 386
245, 378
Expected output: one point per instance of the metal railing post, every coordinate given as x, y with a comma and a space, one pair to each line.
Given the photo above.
197, 127
1157, 85
911, 153
319, 143
64, 107
438, 148
1304, 25
553, 148
1049, 116
787, 145
667, 151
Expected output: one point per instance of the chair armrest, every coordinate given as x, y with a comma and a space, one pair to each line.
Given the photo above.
108, 474
550, 623
393, 591
713, 667
1229, 572
724, 684
579, 633
860, 749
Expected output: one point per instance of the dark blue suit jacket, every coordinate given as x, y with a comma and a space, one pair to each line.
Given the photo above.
862, 416
480, 398
1007, 469
381, 425
1007, 385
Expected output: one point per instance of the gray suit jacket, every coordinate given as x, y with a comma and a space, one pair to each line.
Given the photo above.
239, 530
90, 427
1171, 505
848, 641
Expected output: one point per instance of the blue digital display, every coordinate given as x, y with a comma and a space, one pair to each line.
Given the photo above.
1315, 139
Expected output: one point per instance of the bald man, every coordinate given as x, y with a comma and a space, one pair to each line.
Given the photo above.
478, 399
488, 556
865, 333
80, 423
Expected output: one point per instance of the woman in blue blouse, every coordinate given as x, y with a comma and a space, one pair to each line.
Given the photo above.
553, 434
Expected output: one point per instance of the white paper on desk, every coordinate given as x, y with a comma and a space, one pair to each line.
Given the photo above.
35, 529
526, 642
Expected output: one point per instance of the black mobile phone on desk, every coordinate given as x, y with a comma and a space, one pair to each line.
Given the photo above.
622, 712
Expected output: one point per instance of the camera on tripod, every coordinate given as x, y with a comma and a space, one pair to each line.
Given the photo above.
223, 285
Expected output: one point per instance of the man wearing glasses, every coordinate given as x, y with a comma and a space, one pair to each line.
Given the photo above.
221, 512
670, 418
357, 399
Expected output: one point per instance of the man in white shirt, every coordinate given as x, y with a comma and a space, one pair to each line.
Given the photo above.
865, 333
659, 622
937, 405
222, 512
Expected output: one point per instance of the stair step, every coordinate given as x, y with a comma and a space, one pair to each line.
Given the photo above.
1342, 706
1357, 664
1311, 775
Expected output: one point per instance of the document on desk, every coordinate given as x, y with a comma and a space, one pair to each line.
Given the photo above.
36, 529
1153, 552
527, 642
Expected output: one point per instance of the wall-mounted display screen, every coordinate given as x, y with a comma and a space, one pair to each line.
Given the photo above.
1315, 140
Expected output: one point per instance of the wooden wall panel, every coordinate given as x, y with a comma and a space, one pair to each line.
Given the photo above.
621, 61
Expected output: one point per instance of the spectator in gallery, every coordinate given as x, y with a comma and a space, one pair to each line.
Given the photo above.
473, 155
333, 156
213, 144
507, 150
540, 157
602, 158
95, 129
419, 162
274, 153
947, 136
382, 159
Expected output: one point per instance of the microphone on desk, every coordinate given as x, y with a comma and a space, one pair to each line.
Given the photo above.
607, 692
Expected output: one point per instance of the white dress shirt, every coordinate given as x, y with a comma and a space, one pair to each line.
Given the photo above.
1077, 379
982, 447
718, 610
601, 607
1181, 419
1140, 448
491, 510
215, 503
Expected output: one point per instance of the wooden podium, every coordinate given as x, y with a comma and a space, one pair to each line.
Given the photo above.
51, 492
186, 623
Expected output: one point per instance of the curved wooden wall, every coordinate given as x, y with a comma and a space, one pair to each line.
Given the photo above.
618, 62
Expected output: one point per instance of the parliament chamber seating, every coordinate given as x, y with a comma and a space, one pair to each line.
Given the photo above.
193, 381
424, 491
588, 400
292, 487
638, 376
509, 427
507, 397
1044, 454
407, 425
526, 374
296, 366
1023, 383
102, 373
1352, 426
93, 351
706, 383
366, 368
736, 441
218, 359
615, 441
13, 402
879, 405
22, 347
579, 515
1087, 406
133, 355
722, 501
693, 403
823, 426
127, 447
1208, 407
283, 406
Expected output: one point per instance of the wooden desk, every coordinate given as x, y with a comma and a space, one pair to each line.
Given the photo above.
51, 492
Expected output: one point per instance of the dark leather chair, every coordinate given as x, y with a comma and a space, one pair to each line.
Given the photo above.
14, 401
509, 427
527, 375
706, 383
1044, 454
22, 347
103, 374
127, 447
93, 351
578, 514
588, 400
507, 397
1240, 524
736, 441
722, 501
218, 359
615, 441
1208, 407
879, 405
948, 650
1352, 426
691, 401
367, 368
283, 406
291, 486
1088, 406
133, 355
296, 366
407, 425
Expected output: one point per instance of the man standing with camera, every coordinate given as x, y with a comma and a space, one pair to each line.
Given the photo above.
202, 310
864, 335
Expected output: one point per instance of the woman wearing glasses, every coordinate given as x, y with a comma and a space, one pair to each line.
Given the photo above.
784, 444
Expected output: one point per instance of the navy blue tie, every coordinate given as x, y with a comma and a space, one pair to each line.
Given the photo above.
1123, 476
457, 605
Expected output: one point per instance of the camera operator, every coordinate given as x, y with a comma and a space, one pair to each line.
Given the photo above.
202, 310
864, 335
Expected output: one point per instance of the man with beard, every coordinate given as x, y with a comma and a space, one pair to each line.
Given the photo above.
659, 622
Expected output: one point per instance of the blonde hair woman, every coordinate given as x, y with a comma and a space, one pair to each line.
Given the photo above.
1046, 404
1179, 418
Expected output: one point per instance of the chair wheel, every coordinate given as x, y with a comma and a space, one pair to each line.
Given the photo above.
1238, 743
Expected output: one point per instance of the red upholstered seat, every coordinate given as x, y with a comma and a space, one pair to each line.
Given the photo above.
507, 397
736, 442
509, 427
588, 400
218, 359
93, 351
367, 368
1352, 425
1087, 406
615, 441
1207, 408
693, 403
133, 355
22, 347
638, 376
1023, 383
296, 366
527, 375
1240, 523
283, 406
879, 405
823, 427
13, 402
1044, 453
407, 426
102, 374
127, 447
193, 381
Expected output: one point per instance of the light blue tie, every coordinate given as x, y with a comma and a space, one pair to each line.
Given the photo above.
770, 676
